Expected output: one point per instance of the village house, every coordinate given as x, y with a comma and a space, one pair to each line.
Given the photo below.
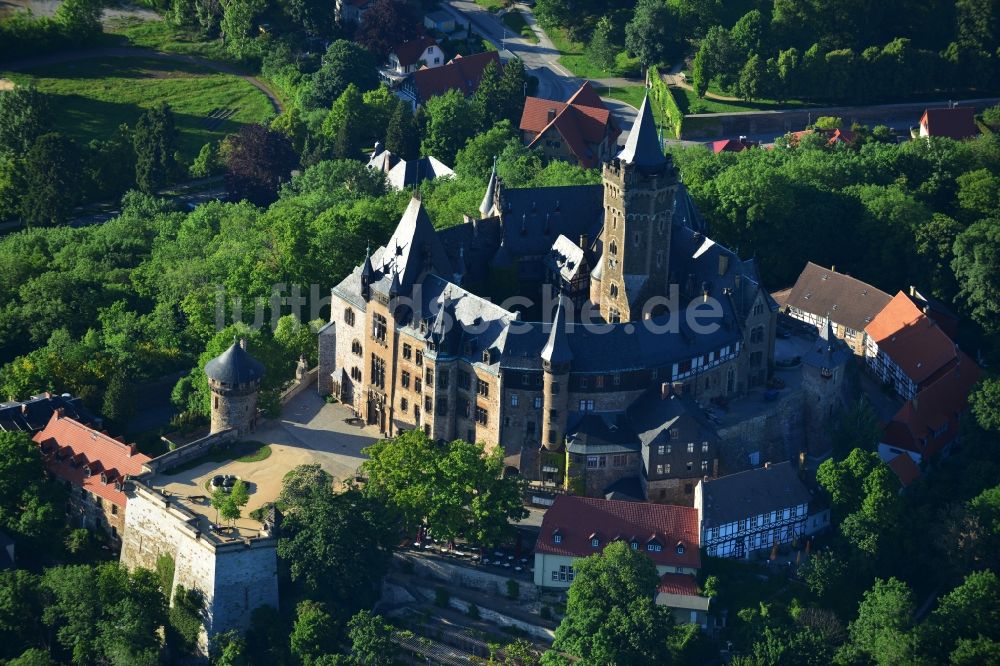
401, 173
906, 349
440, 21
579, 131
577, 527
350, 12
756, 511
94, 466
460, 73
31, 415
733, 145
415, 54
850, 304
957, 122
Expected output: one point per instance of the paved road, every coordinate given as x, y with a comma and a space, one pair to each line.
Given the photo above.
129, 52
542, 59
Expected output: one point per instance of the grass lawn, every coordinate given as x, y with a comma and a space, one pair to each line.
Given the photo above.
490, 5
515, 22
689, 103
161, 36
248, 451
574, 57
95, 96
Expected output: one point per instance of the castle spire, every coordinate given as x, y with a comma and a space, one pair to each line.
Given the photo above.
643, 145
367, 272
556, 351
488, 199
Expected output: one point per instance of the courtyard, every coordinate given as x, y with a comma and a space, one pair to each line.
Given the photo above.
309, 431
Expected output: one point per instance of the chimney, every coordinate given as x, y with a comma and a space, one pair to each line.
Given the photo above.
767, 465
550, 115
243, 344
723, 264
833, 269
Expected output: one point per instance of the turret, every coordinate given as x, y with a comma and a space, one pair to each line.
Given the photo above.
367, 275
234, 379
486, 207
556, 360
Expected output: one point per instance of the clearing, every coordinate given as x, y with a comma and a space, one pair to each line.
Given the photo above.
95, 96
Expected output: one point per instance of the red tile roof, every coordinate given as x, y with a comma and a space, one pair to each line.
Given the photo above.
459, 73
581, 120
578, 520
935, 409
71, 450
675, 583
911, 339
732, 145
408, 53
904, 468
956, 123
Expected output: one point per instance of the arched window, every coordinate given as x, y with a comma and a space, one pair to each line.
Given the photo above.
613, 248
614, 290
356, 348
349, 316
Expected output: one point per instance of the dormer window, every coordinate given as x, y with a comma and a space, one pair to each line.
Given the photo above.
634, 545
680, 548
556, 537
654, 546
595, 542
486, 356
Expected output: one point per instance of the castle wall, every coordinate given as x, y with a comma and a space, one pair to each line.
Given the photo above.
234, 408
776, 430
191, 450
327, 358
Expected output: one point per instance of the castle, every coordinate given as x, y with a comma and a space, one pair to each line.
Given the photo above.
548, 317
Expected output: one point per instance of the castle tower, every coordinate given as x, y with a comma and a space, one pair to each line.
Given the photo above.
823, 373
234, 379
556, 360
640, 186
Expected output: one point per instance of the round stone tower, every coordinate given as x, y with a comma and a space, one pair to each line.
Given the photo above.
234, 379
556, 360
823, 373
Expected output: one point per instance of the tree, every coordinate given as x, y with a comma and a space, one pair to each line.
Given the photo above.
51, 180
185, 620
343, 63
611, 617
882, 630
857, 427
453, 120
979, 192
299, 484
33, 657
401, 136
823, 573
969, 611
385, 25
651, 33
28, 503
315, 17
258, 161
977, 268
752, 78
154, 140
701, 72
80, 19
326, 534
719, 58
314, 633
237, 25
512, 86
980, 651
24, 116
21, 606
207, 163
748, 33
489, 98
379, 105
476, 159
344, 125
455, 487
371, 639
985, 402
601, 51
119, 405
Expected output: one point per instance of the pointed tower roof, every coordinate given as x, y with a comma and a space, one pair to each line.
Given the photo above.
413, 247
556, 350
367, 272
487, 205
394, 286
643, 145
234, 366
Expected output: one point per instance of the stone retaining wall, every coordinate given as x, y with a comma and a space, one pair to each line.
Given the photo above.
191, 450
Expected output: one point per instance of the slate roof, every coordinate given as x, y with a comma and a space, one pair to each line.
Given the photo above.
557, 350
534, 217
750, 493
828, 351
652, 416
628, 489
847, 300
956, 123
71, 450
566, 258
582, 121
404, 252
459, 73
33, 414
234, 366
408, 53
600, 433
935, 408
579, 519
642, 148
911, 339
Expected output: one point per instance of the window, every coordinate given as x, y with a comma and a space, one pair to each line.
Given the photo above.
556, 537
554, 388
599, 382
653, 547
481, 415
404, 379
483, 387
583, 382
430, 377
418, 385
757, 334
690, 447
428, 404
595, 542
690, 466
463, 379
636, 238
349, 316
356, 373
404, 404
619, 460
660, 450
617, 377
704, 465
356, 348
659, 469
420, 358
614, 290
464, 408
586, 405
552, 436
378, 371
758, 308
514, 400
443, 380
538, 403
407, 351
680, 549
666, 468
592, 462
379, 327
704, 447
613, 248
114, 509
442, 406
529, 427
555, 574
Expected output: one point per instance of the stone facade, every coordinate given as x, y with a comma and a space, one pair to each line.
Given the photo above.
235, 575
234, 407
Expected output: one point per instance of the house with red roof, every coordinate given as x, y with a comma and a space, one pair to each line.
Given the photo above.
415, 54
928, 423
577, 527
459, 73
957, 122
94, 466
733, 145
907, 349
579, 131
